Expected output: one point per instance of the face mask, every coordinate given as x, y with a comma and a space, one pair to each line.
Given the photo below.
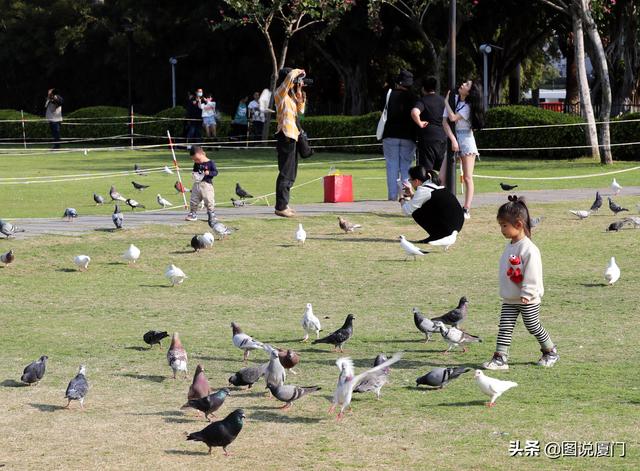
199, 93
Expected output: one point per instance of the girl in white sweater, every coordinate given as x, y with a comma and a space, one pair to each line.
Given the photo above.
521, 286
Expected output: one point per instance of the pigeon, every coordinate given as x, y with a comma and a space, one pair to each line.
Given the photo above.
288, 358
78, 388
347, 381
7, 257
221, 433
445, 242
134, 204
132, 254
70, 214
8, 229
154, 337
241, 192
424, 324
340, 336
208, 240
139, 186
597, 203
138, 170
455, 316
374, 383
310, 323
301, 234
615, 187
34, 371
632, 221
163, 202
410, 249
507, 187
218, 228
615, 226
175, 275
248, 376
243, 341
440, 377
180, 187
198, 242
615, 207
274, 373
492, 387
167, 170
98, 199
536, 221
288, 393
612, 273
115, 196
455, 337
82, 261
210, 403
199, 386
177, 356
117, 218
582, 214
237, 203
346, 226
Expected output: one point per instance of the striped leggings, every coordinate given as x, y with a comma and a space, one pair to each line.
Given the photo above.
531, 318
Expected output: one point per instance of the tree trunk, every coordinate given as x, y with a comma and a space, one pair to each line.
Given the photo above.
572, 90
514, 86
585, 95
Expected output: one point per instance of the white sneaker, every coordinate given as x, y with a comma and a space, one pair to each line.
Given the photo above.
467, 215
498, 362
549, 358
191, 217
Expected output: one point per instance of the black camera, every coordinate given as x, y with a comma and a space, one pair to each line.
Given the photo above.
302, 79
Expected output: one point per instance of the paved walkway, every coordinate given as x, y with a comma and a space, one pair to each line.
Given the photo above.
85, 224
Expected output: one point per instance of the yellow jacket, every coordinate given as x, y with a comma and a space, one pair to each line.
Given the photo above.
287, 107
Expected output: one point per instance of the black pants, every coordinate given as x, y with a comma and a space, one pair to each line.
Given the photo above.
431, 154
287, 168
55, 133
256, 130
441, 215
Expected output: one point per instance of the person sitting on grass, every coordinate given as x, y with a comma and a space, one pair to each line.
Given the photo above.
432, 206
202, 190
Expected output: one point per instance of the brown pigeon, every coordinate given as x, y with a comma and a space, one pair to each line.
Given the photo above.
346, 226
177, 356
200, 386
288, 359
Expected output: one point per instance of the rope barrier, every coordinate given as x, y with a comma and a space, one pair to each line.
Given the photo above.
572, 177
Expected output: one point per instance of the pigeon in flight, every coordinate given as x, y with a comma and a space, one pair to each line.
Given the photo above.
210, 403
221, 433
167, 170
440, 377
445, 242
274, 374
175, 275
139, 171
612, 272
238, 203
582, 214
410, 249
288, 393
134, 204
424, 324
455, 337
241, 192
139, 186
82, 261
98, 199
310, 323
455, 316
248, 376
78, 388
132, 254
177, 356
301, 234
70, 214
163, 202
374, 383
115, 196
507, 187
340, 336
243, 341
8, 229
616, 208
615, 187
117, 218
492, 387
154, 337
7, 257
346, 226
597, 203
34, 371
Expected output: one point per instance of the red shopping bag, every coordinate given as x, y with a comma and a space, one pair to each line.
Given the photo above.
338, 189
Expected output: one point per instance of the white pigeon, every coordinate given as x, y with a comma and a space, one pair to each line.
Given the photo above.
167, 170
615, 187
82, 261
208, 239
581, 213
132, 254
175, 275
301, 234
492, 387
310, 323
163, 202
446, 242
410, 249
612, 273
243, 341
347, 381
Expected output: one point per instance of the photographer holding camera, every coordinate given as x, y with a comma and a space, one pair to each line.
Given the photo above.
53, 114
290, 100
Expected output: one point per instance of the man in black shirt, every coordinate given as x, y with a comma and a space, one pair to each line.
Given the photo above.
427, 114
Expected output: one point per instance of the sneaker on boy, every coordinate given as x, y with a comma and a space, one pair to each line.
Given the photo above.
549, 358
498, 362
191, 217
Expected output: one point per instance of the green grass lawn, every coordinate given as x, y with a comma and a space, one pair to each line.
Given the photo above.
259, 278
255, 169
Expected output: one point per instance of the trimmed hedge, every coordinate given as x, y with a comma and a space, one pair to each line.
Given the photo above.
335, 126
34, 126
625, 132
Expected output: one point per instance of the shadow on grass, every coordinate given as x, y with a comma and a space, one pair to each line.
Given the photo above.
186, 452
462, 404
164, 413
106, 229
67, 270
176, 420
152, 378
138, 349
268, 414
346, 238
593, 285
181, 252
12, 383
366, 363
156, 286
423, 388
209, 358
46, 407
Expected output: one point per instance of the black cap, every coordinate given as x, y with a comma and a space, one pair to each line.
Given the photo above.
405, 78
282, 73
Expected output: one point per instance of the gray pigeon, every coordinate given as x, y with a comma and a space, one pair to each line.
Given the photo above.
440, 377
139, 186
117, 218
133, 203
455, 316
535, 222
138, 170
424, 324
9, 229
597, 203
98, 199
78, 388
115, 196
374, 383
455, 337
615, 226
288, 393
237, 203
632, 221
248, 376
218, 228
8, 257
211, 403
34, 371
274, 374
70, 214
241, 192
616, 208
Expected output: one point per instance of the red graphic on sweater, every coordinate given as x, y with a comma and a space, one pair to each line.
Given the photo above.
515, 271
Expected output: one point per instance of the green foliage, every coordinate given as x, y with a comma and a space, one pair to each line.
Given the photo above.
330, 126
10, 125
625, 132
96, 121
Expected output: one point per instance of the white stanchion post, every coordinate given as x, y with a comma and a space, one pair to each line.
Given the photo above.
24, 134
175, 164
461, 178
131, 127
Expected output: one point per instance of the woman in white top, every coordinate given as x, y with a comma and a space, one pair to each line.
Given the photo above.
467, 116
208, 108
433, 207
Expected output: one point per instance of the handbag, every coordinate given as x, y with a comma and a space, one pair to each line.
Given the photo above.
302, 146
383, 118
